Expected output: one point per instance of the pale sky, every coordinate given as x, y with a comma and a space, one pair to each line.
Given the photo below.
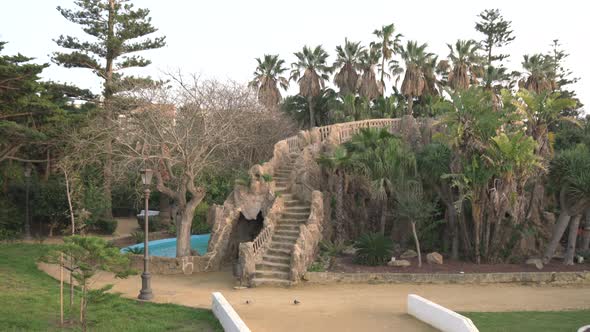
221, 38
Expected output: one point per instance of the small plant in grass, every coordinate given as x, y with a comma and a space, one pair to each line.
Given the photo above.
87, 256
267, 177
373, 249
317, 266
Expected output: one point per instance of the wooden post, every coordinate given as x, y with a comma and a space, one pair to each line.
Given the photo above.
61, 289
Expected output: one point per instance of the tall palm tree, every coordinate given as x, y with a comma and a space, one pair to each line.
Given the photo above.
367, 85
432, 85
464, 58
348, 60
539, 70
311, 71
388, 44
414, 82
267, 77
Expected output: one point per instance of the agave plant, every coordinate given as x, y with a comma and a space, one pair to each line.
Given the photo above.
373, 249
134, 250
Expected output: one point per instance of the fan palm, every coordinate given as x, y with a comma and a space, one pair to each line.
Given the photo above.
539, 69
367, 85
267, 78
388, 44
464, 58
414, 82
311, 71
348, 60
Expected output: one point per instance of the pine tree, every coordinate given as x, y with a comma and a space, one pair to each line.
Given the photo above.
497, 34
116, 30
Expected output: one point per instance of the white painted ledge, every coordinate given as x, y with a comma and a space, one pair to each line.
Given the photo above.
227, 316
438, 316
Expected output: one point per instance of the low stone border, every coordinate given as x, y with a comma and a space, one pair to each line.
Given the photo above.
227, 316
438, 316
580, 277
171, 265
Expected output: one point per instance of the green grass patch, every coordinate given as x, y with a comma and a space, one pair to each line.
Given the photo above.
529, 321
29, 301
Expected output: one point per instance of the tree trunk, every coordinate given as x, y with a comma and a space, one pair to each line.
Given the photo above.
586, 232
69, 196
571, 240
339, 207
477, 215
108, 178
384, 217
311, 115
452, 215
165, 209
558, 230
410, 104
417, 244
183, 227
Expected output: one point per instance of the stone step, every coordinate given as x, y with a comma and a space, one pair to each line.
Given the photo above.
278, 252
270, 266
280, 179
292, 221
282, 245
283, 259
281, 184
286, 232
257, 282
272, 274
298, 209
288, 227
284, 238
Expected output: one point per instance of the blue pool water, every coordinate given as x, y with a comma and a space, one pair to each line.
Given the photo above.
167, 247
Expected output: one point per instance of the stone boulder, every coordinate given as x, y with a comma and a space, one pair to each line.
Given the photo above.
399, 263
434, 258
409, 254
537, 262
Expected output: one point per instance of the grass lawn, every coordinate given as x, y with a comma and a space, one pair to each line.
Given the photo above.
525, 321
29, 301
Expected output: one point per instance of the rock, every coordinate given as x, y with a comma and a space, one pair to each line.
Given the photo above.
399, 263
350, 250
580, 259
537, 262
409, 254
434, 258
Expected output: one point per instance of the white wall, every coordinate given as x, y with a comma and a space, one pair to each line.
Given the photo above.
438, 316
227, 316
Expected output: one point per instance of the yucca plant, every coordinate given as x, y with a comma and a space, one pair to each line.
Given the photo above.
373, 249
134, 250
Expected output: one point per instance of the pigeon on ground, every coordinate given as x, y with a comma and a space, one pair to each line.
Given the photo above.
247, 301
296, 301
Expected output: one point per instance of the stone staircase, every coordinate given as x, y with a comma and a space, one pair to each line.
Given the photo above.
275, 267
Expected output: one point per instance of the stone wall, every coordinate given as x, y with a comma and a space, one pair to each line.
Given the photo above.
169, 265
310, 234
450, 278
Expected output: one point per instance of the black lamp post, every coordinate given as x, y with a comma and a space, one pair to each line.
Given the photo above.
146, 290
28, 169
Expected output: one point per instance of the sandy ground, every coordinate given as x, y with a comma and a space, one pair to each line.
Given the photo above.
344, 307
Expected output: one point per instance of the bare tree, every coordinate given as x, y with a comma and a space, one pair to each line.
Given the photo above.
191, 127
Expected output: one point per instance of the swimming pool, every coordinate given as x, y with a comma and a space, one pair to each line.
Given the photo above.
167, 247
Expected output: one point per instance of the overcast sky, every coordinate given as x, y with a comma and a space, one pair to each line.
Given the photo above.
221, 38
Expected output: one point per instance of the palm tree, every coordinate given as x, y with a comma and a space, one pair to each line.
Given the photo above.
388, 44
367, 85
540, 71
414, 82
571, 170
348, 60
431, 86
464, 58
266, 78
311, 72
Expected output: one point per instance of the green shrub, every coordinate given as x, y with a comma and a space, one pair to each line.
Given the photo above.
138, 236
11, 220
105, 226
199, 225
134, 251
317, 267
373, 249
267, 177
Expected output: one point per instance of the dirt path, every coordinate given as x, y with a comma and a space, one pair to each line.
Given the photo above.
341, 307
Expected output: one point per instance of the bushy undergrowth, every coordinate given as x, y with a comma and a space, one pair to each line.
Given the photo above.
373, 249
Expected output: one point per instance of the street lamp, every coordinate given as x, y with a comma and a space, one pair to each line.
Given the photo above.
146, 291
28, 169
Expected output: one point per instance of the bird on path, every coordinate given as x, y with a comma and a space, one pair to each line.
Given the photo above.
296, 301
